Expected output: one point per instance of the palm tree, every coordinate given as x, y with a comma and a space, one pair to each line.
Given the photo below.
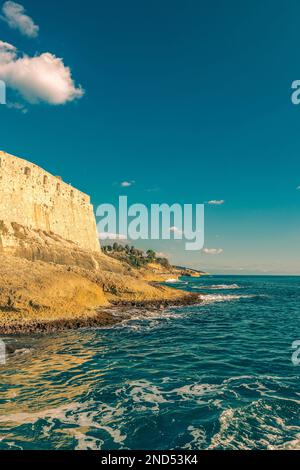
151, 255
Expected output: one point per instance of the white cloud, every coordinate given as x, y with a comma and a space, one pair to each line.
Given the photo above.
216, 202
176, 230
212, 251
15, 16
42, 78
127, 184
298, 187
7, 52
111, 236
161, 254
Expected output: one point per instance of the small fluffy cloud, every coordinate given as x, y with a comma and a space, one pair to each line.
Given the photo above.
176, 230
212, 251
216, 202
127, 184
42, 78
15, 16
298, 187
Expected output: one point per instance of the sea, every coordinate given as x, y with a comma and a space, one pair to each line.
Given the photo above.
221, 374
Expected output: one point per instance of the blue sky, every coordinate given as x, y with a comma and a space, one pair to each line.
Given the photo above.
190, 100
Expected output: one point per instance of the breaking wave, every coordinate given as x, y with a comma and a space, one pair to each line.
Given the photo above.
202, 287
210, 298
224, 286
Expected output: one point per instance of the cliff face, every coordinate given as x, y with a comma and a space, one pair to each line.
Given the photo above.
52, 271
37, 200
39, 245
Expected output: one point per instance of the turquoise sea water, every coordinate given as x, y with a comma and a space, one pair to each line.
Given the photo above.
217, 375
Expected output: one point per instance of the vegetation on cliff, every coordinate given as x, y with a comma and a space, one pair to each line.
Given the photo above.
133, 256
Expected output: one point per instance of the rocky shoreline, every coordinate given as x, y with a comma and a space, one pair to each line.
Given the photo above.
103, 317
69, 288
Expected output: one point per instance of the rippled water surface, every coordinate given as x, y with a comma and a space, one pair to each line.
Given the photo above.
217, 375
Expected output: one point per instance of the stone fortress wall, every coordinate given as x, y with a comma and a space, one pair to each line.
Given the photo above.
34, 198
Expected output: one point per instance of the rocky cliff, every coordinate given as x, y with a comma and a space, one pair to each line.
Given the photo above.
33, 198
52, 272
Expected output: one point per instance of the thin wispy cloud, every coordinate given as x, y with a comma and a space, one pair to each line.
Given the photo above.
111, 236
18, 106
161, 254
152, 190
216, 202
42, 78
15, 16
212, 251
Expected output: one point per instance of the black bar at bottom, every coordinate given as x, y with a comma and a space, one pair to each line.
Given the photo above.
137, 459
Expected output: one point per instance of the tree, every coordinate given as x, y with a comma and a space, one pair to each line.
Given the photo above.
151, 255
106, 248
133, 250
